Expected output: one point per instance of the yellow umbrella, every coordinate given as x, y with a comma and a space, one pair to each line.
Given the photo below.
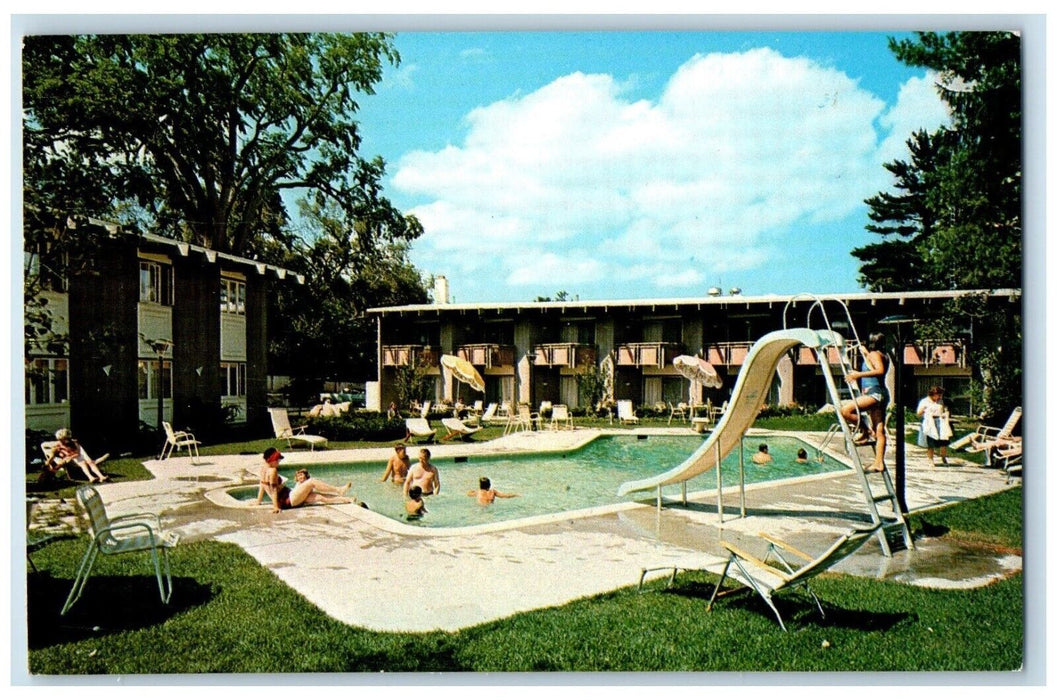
463, 371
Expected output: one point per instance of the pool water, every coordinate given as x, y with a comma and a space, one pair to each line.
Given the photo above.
557, 482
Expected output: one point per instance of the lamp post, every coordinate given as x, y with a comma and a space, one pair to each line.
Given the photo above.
160, 346
898, 323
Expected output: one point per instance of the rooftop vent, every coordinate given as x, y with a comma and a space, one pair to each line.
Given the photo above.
714, 291
735, 291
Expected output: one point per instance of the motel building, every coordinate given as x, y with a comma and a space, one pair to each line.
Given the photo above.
534, 352
150, 325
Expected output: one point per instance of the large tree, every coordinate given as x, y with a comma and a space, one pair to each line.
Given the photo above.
199, 136
954, 221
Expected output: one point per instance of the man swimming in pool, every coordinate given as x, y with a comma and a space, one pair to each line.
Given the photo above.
306, 492
424, 475
486, 495
763, 456
398, 466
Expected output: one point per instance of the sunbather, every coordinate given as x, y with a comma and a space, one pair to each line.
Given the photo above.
307, 491
68, 451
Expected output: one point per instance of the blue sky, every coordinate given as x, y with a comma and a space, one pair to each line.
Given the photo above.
619, 164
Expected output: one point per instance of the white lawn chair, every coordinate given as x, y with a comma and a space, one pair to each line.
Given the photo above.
125, 533
284, 431
626, 412
457, 429
676, 410
560, 417
489, 415
178, 440
425, 409
419, 428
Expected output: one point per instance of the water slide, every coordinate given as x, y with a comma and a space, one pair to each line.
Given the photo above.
750, 390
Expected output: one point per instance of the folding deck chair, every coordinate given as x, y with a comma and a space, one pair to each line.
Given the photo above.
457, 429
769, 579
419, 428
284, 431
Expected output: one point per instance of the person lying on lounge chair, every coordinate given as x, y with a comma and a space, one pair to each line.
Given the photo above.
486, 495
68, 451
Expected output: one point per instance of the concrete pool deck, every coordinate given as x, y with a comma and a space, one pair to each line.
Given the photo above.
357, 572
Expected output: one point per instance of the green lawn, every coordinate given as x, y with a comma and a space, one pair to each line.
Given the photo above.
231, 615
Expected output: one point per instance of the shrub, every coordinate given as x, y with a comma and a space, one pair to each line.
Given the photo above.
370, 426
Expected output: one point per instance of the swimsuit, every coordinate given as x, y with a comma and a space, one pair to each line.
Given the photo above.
284, 499
870, 386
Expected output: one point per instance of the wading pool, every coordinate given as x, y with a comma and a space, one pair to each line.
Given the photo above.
549, 483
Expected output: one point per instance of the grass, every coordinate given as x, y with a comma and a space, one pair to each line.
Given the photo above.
225, 607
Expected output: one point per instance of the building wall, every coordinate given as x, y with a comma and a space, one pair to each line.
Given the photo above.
196, 341
104, 407
257, 291
724, 328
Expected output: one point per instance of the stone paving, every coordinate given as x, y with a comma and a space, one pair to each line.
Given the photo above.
357, 565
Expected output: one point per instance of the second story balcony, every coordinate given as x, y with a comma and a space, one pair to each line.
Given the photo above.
727, 353
936, 353
647, 354
403, 355
564, 355
487, 355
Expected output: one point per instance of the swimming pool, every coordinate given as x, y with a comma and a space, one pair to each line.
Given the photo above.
548, 483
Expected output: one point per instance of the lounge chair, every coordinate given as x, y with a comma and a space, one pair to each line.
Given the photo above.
178, 440
676, 410
985, 438
769, 579
1009, 459
425, 410
419, 428
626, 413
560, 417
457, 429
125, 533
284, 431
489, 415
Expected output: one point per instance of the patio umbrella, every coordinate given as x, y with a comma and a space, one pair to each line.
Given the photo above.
463, 371
697, 370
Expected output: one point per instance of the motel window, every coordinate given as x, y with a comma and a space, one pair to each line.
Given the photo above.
232, 296
45, 267
233, 378
152, 381
47, 381
155, 282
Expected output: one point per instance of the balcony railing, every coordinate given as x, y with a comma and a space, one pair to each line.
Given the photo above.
487, 355
403, 355
727, 353
647, 354
936, 353
565, 354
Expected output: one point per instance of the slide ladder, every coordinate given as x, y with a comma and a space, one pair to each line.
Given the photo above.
887, 493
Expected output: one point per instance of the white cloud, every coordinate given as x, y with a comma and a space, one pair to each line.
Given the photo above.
917, 107
574, 185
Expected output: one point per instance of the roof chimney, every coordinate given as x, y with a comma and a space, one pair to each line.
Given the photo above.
440, 290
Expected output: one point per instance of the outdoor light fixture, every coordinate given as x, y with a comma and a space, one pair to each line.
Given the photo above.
899, 322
